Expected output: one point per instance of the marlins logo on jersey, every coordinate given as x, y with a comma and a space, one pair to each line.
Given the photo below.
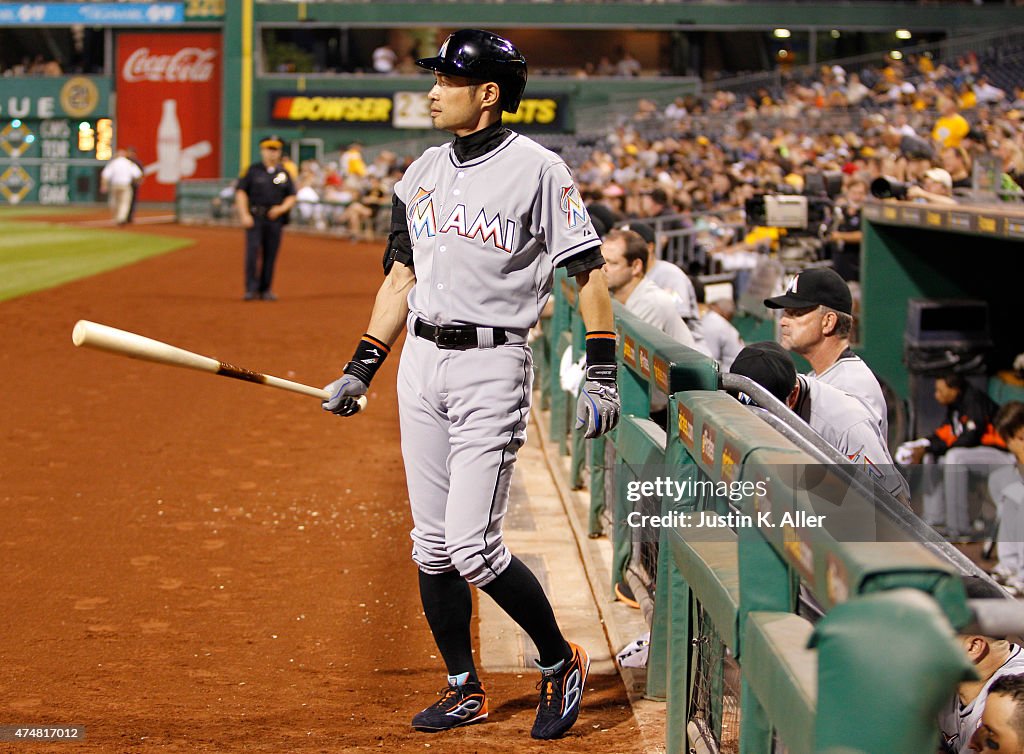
572, 206
421, 214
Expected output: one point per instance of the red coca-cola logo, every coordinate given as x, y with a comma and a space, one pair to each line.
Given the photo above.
187, 64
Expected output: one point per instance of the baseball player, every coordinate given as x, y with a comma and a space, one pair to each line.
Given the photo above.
264, 196
843, 421
478, 227
816, 322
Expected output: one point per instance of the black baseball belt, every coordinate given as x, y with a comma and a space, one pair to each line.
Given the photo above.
457, 337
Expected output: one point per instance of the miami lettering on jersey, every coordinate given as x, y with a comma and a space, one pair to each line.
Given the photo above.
421, 214
422, 223
571, 204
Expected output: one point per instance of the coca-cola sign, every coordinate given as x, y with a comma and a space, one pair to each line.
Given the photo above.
187, 64
169, 106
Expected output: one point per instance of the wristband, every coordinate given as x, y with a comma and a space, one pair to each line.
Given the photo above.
600, 348
369, 355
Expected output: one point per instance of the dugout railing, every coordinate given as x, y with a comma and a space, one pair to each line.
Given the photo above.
739, 668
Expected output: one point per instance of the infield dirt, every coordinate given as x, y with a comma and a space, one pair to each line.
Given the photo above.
196, 564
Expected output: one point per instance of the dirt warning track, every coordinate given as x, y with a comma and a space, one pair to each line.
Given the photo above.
203, 565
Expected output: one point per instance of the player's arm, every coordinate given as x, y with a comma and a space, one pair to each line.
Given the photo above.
387, 319
598, 407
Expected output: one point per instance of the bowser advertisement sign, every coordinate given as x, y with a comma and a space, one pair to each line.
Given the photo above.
168, 107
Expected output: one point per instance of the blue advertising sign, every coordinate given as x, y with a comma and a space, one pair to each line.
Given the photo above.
92, 14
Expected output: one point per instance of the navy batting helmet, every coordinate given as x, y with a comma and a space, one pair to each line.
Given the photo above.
483, 55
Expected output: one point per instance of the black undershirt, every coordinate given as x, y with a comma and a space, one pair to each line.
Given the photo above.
479, 143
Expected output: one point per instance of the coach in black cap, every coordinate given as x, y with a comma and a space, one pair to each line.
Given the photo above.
816, 322
264, 197
818, 286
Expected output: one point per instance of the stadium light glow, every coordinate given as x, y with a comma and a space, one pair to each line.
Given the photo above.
782, 34
896, 55
903, 34
834, 33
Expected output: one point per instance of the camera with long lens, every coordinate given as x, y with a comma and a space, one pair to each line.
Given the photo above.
887, 187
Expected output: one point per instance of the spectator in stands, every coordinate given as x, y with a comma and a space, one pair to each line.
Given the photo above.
936, 187
846, 237
951, 127
625, 255
385, 59
844, 422
1006, 486
307, 202
1002, 721
985, 93
352, 163
656, 204
627, 65
816, 322
722, 340
966, 442
957, 162
994, 657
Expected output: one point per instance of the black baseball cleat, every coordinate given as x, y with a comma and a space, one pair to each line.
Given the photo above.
561, 693
458, 705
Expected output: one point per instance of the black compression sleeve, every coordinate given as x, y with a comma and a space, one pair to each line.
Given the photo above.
399, 248
589, 259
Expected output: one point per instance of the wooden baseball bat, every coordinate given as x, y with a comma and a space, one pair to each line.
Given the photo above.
124, 343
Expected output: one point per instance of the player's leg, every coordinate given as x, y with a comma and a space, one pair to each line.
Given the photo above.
489, 407
444, 593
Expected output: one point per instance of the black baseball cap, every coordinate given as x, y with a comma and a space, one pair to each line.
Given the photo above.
643, 230
818, 286
769, 365
273, 141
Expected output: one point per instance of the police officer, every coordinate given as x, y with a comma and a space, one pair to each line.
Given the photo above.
264, 197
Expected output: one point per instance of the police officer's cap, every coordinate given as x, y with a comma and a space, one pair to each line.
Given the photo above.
273, 141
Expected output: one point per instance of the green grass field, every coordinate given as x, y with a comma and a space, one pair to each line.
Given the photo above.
38, 255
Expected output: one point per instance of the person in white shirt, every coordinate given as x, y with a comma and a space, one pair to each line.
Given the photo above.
116, 180
625, 264
817, 319
671, 279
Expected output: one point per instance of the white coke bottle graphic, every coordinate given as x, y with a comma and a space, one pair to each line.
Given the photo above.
168, 144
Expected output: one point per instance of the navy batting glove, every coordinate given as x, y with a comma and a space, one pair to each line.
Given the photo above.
345, 392
598, 407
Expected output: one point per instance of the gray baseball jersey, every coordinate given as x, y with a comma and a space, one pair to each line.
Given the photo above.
851, 375
849, 426
486, 234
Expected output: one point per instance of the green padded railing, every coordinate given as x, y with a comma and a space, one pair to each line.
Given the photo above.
794, 676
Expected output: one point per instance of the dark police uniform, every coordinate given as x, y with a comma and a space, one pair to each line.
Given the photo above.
266, 188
